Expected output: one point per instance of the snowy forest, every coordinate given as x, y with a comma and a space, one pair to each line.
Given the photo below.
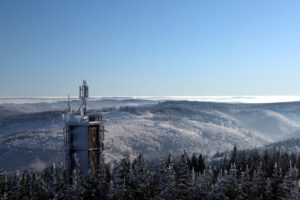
239, 175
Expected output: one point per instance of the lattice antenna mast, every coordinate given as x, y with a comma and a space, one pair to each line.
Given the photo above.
83, 95
69, 105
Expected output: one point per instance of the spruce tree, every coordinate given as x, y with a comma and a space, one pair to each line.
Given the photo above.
3, 185
290, 183
244, 184
184, 180
140, 178
203, 185
122, 179
232, 189
234, 156
23, 186
257, 184
201, 163
221, 186
276, 181
194, 162
166, 182
78, 182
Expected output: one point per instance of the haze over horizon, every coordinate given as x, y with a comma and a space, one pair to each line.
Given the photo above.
150, 48
216, 99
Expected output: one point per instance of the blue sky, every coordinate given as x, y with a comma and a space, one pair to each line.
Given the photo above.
152, 48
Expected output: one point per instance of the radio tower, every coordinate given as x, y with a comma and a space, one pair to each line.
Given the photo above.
84, 135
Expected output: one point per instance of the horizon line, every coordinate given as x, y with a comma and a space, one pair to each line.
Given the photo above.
215, 99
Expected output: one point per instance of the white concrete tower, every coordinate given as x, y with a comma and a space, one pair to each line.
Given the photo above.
84, 135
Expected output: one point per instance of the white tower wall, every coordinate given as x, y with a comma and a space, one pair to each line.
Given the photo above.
84, 135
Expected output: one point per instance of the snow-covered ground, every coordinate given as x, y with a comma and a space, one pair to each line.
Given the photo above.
32, 133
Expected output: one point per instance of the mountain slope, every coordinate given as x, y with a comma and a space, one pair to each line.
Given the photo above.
270, 123
154, 129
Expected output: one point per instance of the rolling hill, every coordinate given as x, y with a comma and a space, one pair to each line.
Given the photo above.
33, 134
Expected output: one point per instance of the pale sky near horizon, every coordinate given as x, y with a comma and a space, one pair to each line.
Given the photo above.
150, 48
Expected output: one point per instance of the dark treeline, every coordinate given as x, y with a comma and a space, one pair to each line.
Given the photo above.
243, 175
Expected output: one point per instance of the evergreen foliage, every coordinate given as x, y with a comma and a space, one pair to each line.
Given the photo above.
243, 175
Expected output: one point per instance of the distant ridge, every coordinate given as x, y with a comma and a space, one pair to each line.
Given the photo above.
221, 99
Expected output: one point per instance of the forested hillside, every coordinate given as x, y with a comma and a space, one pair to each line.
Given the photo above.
243, 175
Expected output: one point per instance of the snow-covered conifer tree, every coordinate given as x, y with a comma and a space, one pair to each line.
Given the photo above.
290, 183
258, 183
78, 182
122, 179
244, 184
140, 178
221, 186
203, 185
184, 186
165, 182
